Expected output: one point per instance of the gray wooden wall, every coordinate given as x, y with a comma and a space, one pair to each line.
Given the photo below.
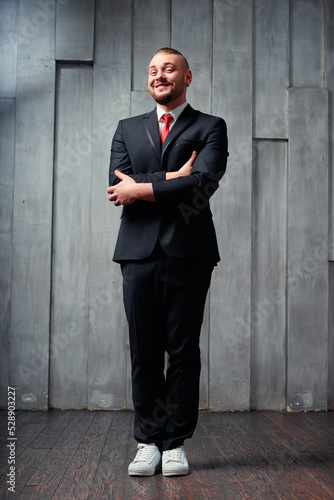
69, 70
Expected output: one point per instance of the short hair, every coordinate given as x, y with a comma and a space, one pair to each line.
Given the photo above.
169, 50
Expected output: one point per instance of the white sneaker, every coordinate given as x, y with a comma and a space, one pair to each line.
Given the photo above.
146, 462
174, 462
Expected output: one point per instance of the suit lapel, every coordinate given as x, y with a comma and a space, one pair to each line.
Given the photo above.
152, 130
185, 119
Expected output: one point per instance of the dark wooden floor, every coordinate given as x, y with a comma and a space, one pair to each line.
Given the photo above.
257, 455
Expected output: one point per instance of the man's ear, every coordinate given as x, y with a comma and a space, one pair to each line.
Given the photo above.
189, 77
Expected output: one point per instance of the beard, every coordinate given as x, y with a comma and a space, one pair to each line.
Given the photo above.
164, 99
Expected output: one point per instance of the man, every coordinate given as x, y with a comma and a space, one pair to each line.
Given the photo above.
163, 170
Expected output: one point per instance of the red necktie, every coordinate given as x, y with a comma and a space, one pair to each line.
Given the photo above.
168, 118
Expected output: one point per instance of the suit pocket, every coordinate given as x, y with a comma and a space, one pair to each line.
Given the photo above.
183, 150
194, 143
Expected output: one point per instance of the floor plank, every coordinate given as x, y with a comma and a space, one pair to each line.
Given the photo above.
53, 431
240, 463
26, 465
25, 434
79, 476
308, 461
111, 473
53, 468
281, 474
233, 456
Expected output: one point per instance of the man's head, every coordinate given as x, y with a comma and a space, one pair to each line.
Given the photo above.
168, 78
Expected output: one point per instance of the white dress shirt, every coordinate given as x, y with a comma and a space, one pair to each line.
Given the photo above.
175, 114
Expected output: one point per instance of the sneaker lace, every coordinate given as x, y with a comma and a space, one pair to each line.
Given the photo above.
144, 453
175, 455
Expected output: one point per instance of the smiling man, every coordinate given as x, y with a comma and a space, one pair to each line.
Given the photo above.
164, 167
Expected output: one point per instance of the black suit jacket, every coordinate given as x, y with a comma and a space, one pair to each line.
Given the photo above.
180, 218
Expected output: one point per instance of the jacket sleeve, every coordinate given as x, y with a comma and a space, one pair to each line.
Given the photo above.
120, 160
208, 169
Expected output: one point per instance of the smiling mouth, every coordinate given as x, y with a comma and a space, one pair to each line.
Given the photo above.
161, 85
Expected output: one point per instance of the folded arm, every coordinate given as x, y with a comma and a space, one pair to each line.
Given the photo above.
208, 169
168, 188
128, 190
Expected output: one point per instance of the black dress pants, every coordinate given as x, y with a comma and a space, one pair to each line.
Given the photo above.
164, 300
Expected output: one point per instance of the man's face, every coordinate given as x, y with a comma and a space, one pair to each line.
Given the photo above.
168, 78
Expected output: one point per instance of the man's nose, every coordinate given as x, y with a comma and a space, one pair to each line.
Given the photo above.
160, 75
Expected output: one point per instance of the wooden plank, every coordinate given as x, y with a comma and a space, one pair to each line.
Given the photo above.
235, 459
306, 43
268, 362
25, 465
312, 424
30, 310
231, 477
25, 436
58, 424
33, 492
151, 31
231, 284
202, 480
318, 445
52, 469
141, 102
322, 421
329, 84
112, 472
280, 473
75, 30
304, 466
107, 353
197, 49
3, 429
9, 14
7, 150
71, 238
307, 283
80, 473
271, 68
21, 419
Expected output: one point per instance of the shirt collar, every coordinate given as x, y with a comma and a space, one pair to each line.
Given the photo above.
175, 112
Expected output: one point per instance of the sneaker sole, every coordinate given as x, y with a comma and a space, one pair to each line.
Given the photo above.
168, 473
141, 474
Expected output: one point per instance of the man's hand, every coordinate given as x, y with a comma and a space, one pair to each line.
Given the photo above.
185, 170
128, 191
123, 193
